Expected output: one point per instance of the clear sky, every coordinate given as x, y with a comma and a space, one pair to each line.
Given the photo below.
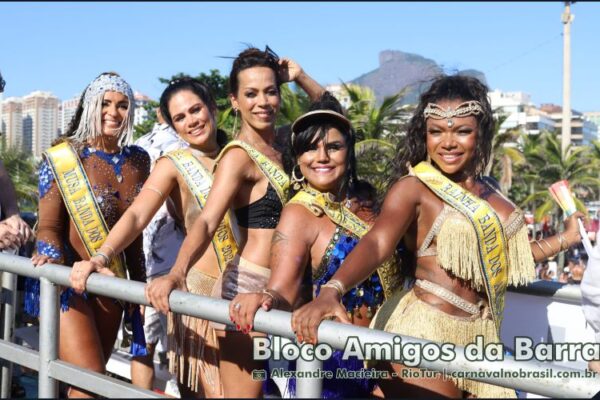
60, 47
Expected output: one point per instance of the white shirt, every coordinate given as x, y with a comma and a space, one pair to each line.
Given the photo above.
162, 237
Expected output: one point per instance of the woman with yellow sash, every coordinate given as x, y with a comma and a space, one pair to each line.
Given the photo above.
183, 178
250, 179
86, 182
467, 241
317, 230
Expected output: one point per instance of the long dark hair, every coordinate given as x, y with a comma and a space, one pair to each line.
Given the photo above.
199, 89
455, 87
304, 140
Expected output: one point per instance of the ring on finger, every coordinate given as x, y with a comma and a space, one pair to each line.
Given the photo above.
237, 306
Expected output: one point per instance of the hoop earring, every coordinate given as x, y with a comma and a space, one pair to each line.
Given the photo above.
235, 115
296, 182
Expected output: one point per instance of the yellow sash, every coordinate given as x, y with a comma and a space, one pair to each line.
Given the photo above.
199, 180
272, 171
319, 203
491, 240
80, 201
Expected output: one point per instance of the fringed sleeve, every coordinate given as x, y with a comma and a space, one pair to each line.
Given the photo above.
521, 265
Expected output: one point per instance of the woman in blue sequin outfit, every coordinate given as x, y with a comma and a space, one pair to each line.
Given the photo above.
309, 235
100, 134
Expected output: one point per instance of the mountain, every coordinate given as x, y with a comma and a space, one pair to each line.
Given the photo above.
398, 70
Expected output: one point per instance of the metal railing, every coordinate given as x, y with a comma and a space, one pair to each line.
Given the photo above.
274, 322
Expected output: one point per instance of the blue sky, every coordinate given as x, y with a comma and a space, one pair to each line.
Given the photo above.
60, 47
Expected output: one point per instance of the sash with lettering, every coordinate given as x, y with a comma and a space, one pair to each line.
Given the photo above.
272, 171
80, 201
199, 180
491, 240
319, 203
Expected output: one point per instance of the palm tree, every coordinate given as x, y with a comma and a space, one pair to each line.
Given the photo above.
550, 165
22, 171
505, 154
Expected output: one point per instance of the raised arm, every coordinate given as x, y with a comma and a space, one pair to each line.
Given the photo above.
292, 71
290, 255
234, 169
399, 210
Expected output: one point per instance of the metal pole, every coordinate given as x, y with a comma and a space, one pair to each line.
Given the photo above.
9, 298
567, 18
47, 386
309, 387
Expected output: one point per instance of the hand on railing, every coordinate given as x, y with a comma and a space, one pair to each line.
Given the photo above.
18, 229
41, 259
243, 308
306, 319
82, 270
158, 290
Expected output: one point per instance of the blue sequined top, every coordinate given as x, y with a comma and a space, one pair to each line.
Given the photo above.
368, 293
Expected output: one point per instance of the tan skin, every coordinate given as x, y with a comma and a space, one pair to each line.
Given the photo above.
195, 123
301, 237
408, 212
237, 183
80, 341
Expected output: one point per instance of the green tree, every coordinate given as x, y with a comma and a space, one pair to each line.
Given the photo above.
21, 168
505, 154
548, 165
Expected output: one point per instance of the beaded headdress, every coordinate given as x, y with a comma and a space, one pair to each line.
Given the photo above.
90, 125
471, 107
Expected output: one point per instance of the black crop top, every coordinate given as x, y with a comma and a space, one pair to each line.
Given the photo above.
264, 213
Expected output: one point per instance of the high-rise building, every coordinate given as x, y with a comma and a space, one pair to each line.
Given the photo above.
140, 113
12, 122
593, 117
67, 112
40, 121
519, 113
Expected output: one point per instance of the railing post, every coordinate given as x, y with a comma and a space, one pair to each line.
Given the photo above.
309, 387
9, 298
47, 386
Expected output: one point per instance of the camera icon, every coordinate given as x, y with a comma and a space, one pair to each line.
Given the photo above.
259, 375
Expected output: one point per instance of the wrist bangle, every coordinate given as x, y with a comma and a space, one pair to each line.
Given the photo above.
541, 249
104, 256
273, 295
112, 249
337, 285
562, 239
549, 247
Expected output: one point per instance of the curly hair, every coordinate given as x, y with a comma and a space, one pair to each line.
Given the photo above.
454, 87
249, 58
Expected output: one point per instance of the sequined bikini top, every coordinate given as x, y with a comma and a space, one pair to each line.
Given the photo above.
264, 213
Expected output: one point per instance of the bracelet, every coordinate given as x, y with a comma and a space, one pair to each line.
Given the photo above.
112, 249
562, 239
154, 190
541, 249
550, 247
106, 259
337, 285
273, 295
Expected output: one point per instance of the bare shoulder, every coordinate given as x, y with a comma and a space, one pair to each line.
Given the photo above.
236, 162
407, 189
164, 168
299, 221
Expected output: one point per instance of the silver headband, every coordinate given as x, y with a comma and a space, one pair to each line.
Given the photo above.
90, 125
471, 107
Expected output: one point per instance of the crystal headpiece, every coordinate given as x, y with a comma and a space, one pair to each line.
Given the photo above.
108, 83
471, 107
90, 124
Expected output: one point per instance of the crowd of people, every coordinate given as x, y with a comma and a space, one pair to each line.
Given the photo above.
297, 229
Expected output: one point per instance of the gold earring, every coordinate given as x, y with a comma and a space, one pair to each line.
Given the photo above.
297, 182
428, 158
